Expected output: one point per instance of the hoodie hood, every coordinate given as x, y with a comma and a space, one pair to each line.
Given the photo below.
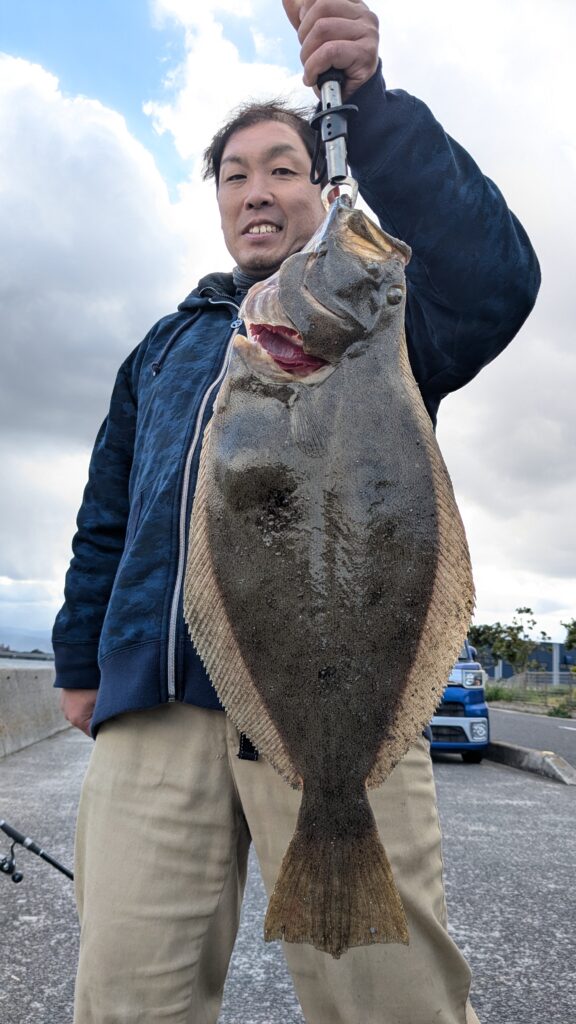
210, 287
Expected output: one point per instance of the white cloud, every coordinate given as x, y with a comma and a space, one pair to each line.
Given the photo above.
500, 590
92, 249
267, 47
29, 605
42, 492
214, 77
195, 16
92, 253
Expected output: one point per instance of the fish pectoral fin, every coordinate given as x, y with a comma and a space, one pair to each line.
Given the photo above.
308, 430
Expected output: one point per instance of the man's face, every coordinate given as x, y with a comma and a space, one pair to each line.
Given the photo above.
268, 207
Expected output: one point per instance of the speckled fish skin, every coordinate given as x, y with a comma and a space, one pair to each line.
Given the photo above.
328, 584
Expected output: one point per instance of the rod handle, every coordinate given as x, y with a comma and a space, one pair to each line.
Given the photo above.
331, 75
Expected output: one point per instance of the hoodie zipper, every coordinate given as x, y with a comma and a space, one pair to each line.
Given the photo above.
173, 623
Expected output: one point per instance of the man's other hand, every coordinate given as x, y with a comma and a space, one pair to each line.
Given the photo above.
78, 707
335, 33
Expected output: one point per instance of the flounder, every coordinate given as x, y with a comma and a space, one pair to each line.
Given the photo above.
328, 585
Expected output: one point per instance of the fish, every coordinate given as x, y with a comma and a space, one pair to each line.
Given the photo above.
328, 583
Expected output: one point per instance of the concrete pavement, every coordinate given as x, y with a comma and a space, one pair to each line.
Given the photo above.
509, 849
39, 788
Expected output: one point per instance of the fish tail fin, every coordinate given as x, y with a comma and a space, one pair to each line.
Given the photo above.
335, 892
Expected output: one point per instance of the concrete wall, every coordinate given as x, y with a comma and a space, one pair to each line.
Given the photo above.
29, 707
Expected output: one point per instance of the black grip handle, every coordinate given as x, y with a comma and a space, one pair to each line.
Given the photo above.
332, 75
19, 838
12, 832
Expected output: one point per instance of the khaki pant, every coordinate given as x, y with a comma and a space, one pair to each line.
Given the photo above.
165, 822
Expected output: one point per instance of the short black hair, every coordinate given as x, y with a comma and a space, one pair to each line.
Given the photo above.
249, 114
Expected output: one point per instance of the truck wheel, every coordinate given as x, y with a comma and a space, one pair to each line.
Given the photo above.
472, 756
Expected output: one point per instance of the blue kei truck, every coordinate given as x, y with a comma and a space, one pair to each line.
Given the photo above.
460, 724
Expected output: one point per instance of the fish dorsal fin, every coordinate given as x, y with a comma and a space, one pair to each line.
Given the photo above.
213, 636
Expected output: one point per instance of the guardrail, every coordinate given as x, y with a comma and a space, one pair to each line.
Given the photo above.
542, 689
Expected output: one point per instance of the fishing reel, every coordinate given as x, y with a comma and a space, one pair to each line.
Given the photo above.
8, 866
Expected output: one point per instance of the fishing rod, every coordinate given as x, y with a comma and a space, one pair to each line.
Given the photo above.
8, 864
331, 123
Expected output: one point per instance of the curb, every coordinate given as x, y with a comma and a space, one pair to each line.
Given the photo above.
541, 762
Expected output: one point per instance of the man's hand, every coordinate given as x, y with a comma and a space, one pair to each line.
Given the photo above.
78, 707
335, 33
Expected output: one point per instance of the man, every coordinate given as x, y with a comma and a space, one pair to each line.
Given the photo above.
168, 808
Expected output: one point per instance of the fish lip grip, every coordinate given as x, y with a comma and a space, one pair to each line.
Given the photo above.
331, 124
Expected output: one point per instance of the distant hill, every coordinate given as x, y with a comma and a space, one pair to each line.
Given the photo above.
25, 639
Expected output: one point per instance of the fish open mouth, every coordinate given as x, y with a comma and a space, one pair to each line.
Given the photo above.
285, 347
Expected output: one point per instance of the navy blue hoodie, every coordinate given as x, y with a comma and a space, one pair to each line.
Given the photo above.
472, 281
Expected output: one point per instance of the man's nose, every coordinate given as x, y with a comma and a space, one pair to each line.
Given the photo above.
258, 194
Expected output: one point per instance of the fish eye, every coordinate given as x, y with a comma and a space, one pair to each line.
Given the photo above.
394, 295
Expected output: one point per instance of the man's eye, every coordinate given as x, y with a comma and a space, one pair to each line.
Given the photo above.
235, 177
283, 170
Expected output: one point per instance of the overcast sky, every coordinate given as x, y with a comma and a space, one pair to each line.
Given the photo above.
105, 108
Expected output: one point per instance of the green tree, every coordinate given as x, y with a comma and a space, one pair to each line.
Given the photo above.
512, 642
570, 641
485, 639
515, 643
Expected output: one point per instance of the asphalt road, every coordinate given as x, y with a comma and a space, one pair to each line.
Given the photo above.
509, 850
536, 731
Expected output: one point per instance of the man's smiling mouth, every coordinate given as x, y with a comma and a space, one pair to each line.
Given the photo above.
263, 229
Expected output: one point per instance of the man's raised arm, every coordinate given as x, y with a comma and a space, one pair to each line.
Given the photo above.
474, 276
